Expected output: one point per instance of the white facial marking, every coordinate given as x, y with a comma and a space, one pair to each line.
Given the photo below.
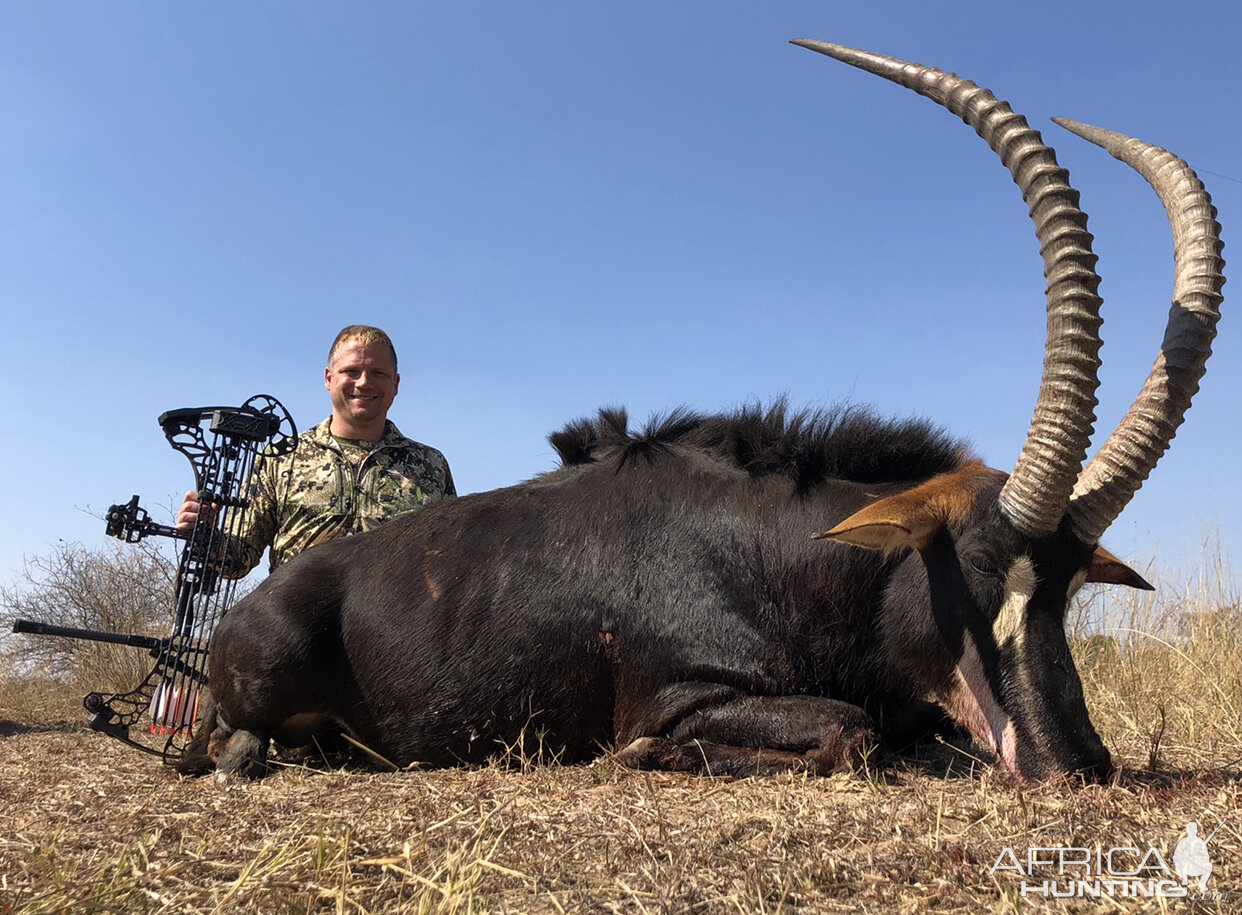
1077, 582
1019, 589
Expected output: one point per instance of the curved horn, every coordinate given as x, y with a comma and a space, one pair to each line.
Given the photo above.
1037, 492
1123, 463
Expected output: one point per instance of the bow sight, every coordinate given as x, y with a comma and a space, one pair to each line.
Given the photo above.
221, 444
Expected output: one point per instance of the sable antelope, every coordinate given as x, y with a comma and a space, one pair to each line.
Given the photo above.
661, 592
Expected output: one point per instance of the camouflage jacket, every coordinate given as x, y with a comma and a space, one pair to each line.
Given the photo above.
329, 488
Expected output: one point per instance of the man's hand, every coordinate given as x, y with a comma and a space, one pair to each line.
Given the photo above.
191, 508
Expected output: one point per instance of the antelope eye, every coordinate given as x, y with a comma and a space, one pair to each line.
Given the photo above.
982, 564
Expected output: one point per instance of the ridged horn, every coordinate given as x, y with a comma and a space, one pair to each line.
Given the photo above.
1038, 491
1143, 435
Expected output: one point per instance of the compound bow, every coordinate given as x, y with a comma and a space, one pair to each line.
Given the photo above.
207, 572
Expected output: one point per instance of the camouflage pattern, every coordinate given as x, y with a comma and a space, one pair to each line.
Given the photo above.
331, 487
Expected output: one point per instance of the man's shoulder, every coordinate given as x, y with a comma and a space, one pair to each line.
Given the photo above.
319, 434
416, 461
314, 441
314, 447
402, 444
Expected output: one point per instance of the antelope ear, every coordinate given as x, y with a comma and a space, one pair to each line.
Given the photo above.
878, 533
898, 523
1107, 569
911, 519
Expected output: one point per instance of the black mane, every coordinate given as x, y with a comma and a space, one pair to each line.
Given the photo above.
809, 446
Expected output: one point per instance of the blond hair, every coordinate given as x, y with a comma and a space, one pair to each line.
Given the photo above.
367, 336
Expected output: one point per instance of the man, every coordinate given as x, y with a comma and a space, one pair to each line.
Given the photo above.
349, 474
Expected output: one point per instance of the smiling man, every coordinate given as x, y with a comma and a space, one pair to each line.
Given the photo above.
350, 473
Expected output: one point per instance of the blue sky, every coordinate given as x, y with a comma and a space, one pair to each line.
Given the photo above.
554, 206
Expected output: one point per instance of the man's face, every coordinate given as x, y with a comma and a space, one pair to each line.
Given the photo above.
362, 383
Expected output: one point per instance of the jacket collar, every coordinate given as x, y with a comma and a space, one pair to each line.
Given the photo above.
321, 435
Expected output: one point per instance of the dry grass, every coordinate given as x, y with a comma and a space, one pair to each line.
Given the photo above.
88, 825
1163, 672
91, 827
